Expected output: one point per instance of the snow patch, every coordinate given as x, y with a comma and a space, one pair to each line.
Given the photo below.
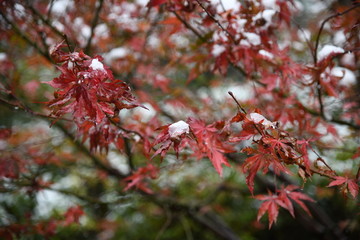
115, 53
339, 38
60, 6
3, 56
178, 128
266, 54
271, 4
217, 50
327, 50
347, 76
97, 65
348, 60
253, 38
225, 5
257, 118
267, 15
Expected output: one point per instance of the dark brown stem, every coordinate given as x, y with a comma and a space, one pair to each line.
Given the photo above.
334, 120
217, 22
322, 27
232, 95
93, 25
188, 26
25, 37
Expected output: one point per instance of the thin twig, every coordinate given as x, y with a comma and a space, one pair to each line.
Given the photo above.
232, 95
26, 38
217, 22
322, 27
188, 26
93, 25
45, 21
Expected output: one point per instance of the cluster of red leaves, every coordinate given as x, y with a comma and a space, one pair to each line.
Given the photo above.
282, 198
136, 180
205, 141
88, 90
347, 185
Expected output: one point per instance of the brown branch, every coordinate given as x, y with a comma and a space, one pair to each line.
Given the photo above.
208, 220
98, 162
322, 27
333, 120
93, 25
202, 38
217, 22
188, 26
45, 21
25, 37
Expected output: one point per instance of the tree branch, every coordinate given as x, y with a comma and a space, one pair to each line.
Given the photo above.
93, 25
217, 22
26, 38
322, 27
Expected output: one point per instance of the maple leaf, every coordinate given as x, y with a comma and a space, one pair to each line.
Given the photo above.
136, 180
270, 205
209, 143
262, 159
349, 184
73, 215
171, 134
283, 199
296, 196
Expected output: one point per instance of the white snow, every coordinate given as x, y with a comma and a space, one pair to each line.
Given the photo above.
253, 38
178, 128
347, 76
19, 10
269, 4
142, 2
257, 118
60, 6
227, 4
348, 60
3, 56
304, 35
217, 50
339, 38
327, 50
266, 54
267, 15
96, 65
102, 31
115, 53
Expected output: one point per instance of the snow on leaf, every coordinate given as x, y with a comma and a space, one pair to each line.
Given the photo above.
258, 118
178, 128
328, 51
97, 65
217, 50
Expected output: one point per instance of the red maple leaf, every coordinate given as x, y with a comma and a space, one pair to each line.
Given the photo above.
282, 198
209, 142
136, 180
270, 205
262, 159
349, 184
